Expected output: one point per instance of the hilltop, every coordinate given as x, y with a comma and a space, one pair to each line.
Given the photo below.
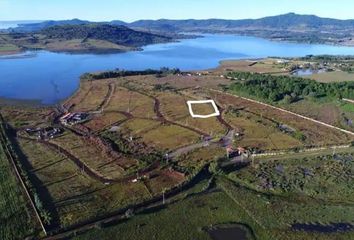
79, 38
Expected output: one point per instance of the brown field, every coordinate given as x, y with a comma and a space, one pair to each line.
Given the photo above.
163, 180
101, 121
95, 158
135, 103
199, 157
212, 80
262, 66
90, 96
164, 137
23, 117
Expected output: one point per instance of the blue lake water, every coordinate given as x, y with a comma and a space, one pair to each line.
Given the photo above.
50, 77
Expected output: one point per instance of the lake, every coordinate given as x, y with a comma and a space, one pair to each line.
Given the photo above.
51, 77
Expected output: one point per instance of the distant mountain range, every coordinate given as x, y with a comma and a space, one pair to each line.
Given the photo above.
290, 27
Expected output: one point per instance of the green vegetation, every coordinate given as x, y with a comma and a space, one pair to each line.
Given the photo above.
16, 220
276, 88
324, 177
169, 222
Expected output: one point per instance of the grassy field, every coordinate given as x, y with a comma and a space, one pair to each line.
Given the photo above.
169, 137
71, 195
108, 166
199, 157
20, 117
104, 120
17, 220
259, 133
272, 215
333, 112
170, 222
329, 77
315, 134
135, 103
326, 177
174, 107
269, 216
90, 97
261, 66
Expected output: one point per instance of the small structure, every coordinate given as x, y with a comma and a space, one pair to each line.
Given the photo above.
73, 118
44, 133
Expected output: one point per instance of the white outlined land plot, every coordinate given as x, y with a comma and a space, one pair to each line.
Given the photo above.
190, 107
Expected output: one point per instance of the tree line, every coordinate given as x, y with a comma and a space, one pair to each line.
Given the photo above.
125, 73
276, 88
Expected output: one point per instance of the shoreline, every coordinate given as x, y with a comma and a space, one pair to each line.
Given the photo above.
186, 35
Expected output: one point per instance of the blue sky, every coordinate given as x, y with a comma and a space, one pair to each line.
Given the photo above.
130, 10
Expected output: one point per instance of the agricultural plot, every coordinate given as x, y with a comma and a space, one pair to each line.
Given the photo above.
199, 157
70, 194
17, 220
137, 127
315, 134
262, 66
161, 136
337, 113
259, 133
175, 108
101, 121
93, 94
101, 162
20, 117
131, 102
164, 179
170, 137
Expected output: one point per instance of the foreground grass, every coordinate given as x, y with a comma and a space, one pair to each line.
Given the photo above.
182, 220
16, 221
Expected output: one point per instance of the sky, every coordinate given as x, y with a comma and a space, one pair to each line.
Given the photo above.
131, 10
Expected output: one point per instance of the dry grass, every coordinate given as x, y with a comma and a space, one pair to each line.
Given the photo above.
260, 135
163, 180
316, 134
262, 66
102, 121
169, 137
90, 96
94, 157
175, 108
200, 157
137, 127
128, 101
330, 77
76, 196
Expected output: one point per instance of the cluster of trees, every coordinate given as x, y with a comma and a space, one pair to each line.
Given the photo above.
124, 73
276, 88
327, 58
115, 34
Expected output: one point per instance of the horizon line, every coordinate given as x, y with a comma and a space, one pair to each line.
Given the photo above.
177, 19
